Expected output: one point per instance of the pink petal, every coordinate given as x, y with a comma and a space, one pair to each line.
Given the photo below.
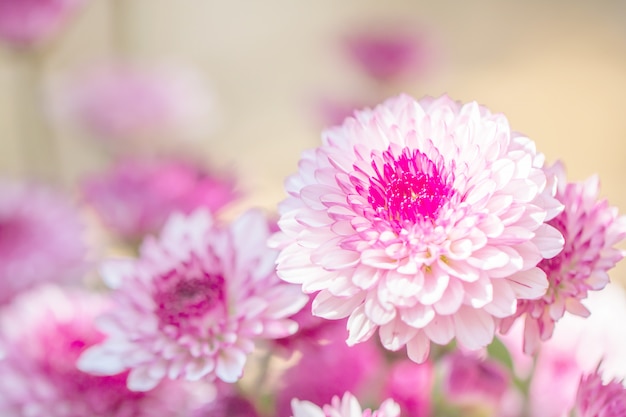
474, 328
360, 327
230, 363
418, 348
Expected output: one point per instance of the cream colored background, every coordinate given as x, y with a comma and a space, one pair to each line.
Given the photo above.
557, 71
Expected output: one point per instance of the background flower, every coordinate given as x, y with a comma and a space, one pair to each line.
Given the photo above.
329, 369
578, 346
597, 399
128, 105
42, 333
478, 386
26, 22
424, 220
193, 304
392, 52
591, 229
410, 385
137, 195
40, 238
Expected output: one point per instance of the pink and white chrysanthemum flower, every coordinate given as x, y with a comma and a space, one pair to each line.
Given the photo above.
347, 406
42, 333
41, 238
193, 304
591, 229
425, 220
597, 399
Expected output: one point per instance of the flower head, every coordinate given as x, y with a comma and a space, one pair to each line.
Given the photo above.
591, 229
40, 238
128, 104
596, 399
425, 220
193, 304
346, 406
27, 22
136, 196
43, 332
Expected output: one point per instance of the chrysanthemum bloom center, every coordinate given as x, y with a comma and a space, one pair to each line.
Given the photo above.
180, 297
409, 188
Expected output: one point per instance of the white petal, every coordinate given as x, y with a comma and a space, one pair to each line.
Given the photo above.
418, 348
504, 301
530, 284
549, 241
395, 334
474, 328
417, 316
332, 307
360, 327
230, 363
305, 409
451, 299
139, 379
100, 361
440, 330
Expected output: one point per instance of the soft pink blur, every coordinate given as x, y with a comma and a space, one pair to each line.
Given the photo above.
136, 195
42, 334
475, 383
27, 22
392, 52
127, 105
328, 369
411, 386
41, 237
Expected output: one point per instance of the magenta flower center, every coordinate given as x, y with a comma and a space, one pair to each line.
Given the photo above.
184, 295
410, 188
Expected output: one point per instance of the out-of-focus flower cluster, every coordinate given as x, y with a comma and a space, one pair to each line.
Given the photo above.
426, 261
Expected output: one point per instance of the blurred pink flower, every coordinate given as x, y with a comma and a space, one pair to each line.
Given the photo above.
136, 196
345, 368
595, 399
579, 346
554, 382
591, 229
42, 333
193, 304
411, 385
27, 22
128, 104
40, 238
346, 406
334, 112
423, 220
475, 383
386, 54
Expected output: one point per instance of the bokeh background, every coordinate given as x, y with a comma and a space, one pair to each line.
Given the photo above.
556, 69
